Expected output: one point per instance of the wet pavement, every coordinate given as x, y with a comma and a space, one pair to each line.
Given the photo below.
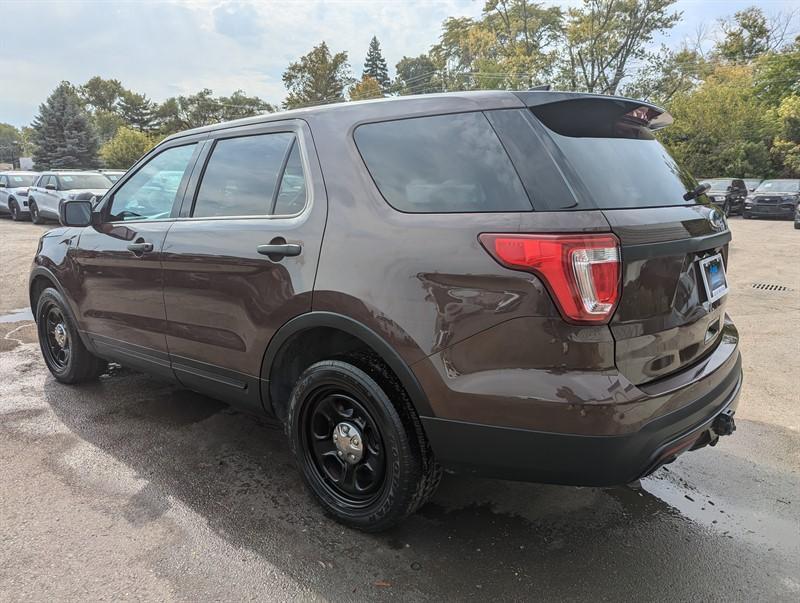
131, 488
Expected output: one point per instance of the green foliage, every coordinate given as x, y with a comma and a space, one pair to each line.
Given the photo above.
202, 109
10, 144
375, 66
786, 147
136, 110
125, 148
416, 75
746, 37
602, 39
720, 127
318, 77
367, 88
63, 134
778, 74
100, 94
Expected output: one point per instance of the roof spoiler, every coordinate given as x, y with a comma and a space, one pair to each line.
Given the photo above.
545, 102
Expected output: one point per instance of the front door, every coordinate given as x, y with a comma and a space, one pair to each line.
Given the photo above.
241, 260
120, 289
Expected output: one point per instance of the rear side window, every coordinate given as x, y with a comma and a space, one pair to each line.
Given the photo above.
441, 164
243, 177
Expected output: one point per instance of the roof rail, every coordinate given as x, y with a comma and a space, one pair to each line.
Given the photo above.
542, 88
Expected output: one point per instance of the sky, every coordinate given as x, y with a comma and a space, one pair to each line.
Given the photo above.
164, 48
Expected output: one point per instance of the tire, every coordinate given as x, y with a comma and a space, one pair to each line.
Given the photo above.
64, 353
13, 208
797, 225
36, 217
396, 474
745, 215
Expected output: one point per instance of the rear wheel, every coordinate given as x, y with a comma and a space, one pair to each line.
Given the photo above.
359, 444
36, 217
64, 353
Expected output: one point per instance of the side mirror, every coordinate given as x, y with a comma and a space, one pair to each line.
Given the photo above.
50, 187
77, 212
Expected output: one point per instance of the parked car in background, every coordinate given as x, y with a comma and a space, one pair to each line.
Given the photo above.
773, 199
519, 285
797, 218
112, 175
727, 193
53, 187
752, 183
14, 193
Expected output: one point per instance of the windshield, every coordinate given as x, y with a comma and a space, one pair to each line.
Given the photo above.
779, 186
18, 180
113, 176
71, 182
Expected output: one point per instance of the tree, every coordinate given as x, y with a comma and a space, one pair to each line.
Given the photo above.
416, 75
786, 147
10, 144
778, 74
512, 45
366, 88
202, 109
605, 38
136, 110
100, 94
318, 77
125, 148
721, 127
750, 34
64, 136
375, 65
675, 72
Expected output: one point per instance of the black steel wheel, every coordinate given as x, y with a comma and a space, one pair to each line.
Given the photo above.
359, 443
62, 349
343, 443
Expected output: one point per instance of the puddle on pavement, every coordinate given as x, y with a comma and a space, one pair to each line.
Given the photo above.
20, 315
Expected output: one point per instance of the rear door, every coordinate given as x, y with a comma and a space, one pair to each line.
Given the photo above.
120, 285
610, 160
241, 260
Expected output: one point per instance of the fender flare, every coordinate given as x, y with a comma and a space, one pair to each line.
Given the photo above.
37, 271
358, 330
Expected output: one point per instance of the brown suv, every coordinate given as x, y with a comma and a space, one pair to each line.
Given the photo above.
520, 285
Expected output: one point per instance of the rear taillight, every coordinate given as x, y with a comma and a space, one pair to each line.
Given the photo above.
582, 272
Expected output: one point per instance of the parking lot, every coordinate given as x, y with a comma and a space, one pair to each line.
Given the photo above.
133, 489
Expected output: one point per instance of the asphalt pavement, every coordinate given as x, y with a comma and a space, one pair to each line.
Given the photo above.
133, 489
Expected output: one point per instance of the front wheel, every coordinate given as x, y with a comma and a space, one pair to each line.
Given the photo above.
64, 353
36, 217
359, 444
13, 208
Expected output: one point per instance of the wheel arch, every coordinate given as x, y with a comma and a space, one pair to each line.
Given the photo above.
339, 333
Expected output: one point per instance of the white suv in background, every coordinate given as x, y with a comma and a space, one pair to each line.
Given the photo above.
56, 186
14, 193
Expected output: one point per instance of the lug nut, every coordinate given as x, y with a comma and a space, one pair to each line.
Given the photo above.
354, 441
339, 453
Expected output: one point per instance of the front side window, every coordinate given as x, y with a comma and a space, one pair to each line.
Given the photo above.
247, 176
150, 193
441, 164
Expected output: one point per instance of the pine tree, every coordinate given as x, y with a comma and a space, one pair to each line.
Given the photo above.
63, 135
375, 65
137, 110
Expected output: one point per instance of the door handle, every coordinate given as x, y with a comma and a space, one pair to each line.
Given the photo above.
140, 247
276, 251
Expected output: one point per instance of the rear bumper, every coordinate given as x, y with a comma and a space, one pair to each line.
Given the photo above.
582, 460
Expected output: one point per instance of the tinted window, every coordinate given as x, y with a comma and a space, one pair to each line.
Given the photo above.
292, 192
626, 172
241, 176
69, 182
150, 193
445, 163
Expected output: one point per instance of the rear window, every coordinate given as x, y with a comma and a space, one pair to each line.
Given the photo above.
441, 164
617, 159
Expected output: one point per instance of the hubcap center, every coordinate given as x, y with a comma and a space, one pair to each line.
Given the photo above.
349, 442
60, 334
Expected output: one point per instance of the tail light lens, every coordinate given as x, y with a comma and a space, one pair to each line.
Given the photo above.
582, 272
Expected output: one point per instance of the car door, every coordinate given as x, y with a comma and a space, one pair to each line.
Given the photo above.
38, 190
4, 191
225, 292
47, 200
120, 296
